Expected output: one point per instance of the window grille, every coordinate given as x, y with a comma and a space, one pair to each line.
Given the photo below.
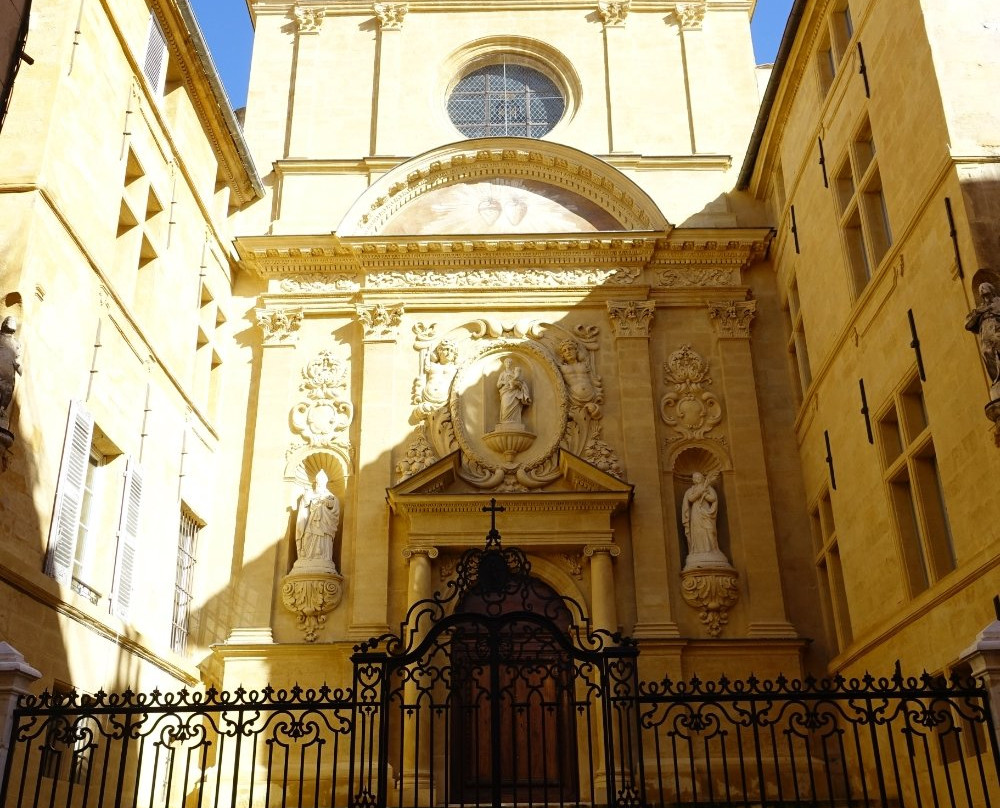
187, 541
505, 99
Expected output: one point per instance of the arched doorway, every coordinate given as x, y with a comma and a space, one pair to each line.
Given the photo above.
514, 699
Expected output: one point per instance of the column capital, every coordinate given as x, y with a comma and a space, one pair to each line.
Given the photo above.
308, 20
280, 326
631, 318
690, 16
379, 321
409, 553
732, 318
390, 15
612, 550
613, 14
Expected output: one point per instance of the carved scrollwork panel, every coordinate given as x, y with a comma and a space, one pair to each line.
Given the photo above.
688, 408
324, 416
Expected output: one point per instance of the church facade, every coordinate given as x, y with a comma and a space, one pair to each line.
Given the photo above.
702, 341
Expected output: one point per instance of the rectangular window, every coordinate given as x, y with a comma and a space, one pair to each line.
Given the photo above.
836, 37
830, 573
916, 495
187, 544
864, 218
797, 347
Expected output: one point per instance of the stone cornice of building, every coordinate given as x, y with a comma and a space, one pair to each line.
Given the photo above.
208, 97
353, 8
332, 265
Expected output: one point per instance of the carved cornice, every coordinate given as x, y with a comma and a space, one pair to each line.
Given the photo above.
732, 318
379, 321
280, 326
613, 14
390, 15
631, 318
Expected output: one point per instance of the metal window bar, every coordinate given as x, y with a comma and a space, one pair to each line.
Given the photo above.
505, 99
187, 540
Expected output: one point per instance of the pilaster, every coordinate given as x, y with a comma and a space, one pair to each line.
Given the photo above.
390, 127
631, 322
755, 551
380, 327
266, 526
308, 24
616, 45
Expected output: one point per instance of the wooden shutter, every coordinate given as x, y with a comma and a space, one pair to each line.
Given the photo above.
154, 66
128, 537
69, 493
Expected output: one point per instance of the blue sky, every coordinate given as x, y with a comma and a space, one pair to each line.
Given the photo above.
226, 25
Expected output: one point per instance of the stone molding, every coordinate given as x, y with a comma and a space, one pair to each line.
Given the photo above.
732, 318
380, 322
631, 318
390, 15
613, 14
279, 326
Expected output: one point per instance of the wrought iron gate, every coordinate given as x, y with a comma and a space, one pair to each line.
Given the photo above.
498, 692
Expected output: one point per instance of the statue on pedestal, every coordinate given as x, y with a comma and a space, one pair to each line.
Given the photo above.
10, 366
316, 526
984, 322
514, 393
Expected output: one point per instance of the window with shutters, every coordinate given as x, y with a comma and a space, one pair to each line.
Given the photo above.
187, 545
154, 64
96, 516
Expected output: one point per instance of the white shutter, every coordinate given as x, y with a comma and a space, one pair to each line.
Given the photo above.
69, 493
154, 66
128, 536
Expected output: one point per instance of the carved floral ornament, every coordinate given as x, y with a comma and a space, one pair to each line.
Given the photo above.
688, 408
631, 318
613, 14
308, 20
509, 396
279, 325
390, 15
379, 321
323, 418
691, 16
732, 318
311, 597
713, 592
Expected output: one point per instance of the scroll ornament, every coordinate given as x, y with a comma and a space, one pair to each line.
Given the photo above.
312, 596
688, 408
324, 417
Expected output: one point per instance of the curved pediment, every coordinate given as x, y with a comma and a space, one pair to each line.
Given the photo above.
501, 186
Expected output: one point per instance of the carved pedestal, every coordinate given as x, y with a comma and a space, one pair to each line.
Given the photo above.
713, 592
311, 596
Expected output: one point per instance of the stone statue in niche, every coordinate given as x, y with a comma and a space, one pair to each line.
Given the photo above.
316, 523
699, 514
439, 366
984, 322
514, 394
10, 366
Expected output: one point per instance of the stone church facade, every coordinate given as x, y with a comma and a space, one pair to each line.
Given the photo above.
702, 341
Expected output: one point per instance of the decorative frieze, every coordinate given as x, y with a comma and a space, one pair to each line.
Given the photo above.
698, 276
326, 284
390, 15
631, 318
380, 322
279, 325
504, 278
613, 14
732, 318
